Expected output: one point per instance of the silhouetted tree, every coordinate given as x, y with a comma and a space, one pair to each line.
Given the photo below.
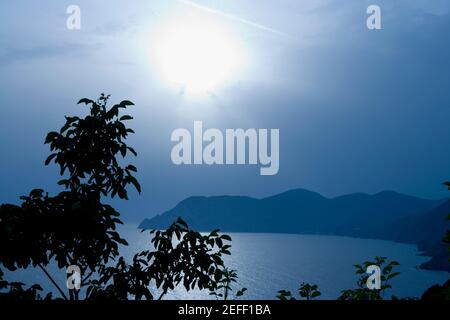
76, 228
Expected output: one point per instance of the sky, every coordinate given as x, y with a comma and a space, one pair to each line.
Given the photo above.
358, 110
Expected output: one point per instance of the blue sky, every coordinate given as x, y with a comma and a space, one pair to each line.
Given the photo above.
358, 110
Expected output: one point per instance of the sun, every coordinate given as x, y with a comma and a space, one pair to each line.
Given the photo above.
197, 57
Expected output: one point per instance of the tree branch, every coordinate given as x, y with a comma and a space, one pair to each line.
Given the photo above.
83, 281
162, 294
53, 281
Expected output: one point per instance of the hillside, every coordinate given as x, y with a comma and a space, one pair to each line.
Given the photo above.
386, 215
297, 211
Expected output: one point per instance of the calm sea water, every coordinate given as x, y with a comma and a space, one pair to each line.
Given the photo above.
267, 263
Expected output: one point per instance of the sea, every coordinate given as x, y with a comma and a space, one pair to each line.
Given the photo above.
266, 263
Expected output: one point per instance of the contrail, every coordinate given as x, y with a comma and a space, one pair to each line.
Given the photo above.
234, 17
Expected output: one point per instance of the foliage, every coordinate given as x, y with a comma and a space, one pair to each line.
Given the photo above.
193, 262
16, 291
88, 148
222, 288
306, 291
362, 292
71, 228
437, 292
447, 235
76, 228
440, 292
309, 291
285, 295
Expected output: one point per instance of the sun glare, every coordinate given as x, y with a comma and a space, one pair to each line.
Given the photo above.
197, 57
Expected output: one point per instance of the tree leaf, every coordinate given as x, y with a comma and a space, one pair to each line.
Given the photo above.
49, 158
85, 101
126, 103
126, 117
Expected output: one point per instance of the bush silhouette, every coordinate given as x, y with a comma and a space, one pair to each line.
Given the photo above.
306, 291
224, 278
447, 235
362, 292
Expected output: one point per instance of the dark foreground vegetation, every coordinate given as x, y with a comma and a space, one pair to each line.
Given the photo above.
77, 228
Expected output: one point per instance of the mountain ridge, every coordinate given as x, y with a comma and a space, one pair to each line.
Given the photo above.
386, 215
299, 201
